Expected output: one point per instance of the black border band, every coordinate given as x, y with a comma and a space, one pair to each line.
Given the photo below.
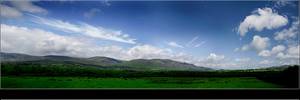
150, 94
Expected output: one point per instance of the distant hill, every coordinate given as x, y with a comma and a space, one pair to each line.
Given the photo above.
278, 68
163, 64
104, 62
8, 57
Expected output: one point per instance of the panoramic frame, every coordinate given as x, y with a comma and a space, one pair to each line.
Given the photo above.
150, 44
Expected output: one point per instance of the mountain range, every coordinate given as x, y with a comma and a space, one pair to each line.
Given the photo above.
103, 62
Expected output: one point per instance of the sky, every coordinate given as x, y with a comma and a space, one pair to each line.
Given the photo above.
215, 34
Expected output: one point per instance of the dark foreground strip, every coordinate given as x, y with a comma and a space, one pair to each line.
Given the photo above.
151, 94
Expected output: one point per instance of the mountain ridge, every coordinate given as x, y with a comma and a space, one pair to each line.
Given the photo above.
135, 64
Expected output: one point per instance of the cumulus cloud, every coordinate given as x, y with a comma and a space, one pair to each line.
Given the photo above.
219, 61
97, 32
293, 52
37, 41
91, 13
284, 55
18, 7
277, 49
215, 57
265, 62
260, 43
288, 33
9, 12
148, 52
264, 53
212, 60
174, 44
260, 19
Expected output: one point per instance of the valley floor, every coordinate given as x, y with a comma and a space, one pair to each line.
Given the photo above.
145, 82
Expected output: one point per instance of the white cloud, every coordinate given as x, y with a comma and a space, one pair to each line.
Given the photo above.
215, 57
40, 42
291, 53
260, 43
91, 13
212, 60
260, 19
265, 62
86, 29
9, 12
294, 51
290, 56
174, 44
219, 62
148, 52
28, 6
277, 49
264, 53
288, 33
284, 56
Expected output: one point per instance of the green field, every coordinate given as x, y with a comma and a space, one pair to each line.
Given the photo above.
143, 82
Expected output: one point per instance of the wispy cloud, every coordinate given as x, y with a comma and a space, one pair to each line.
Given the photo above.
91, 13
174, 44
198, 45
9, 12
283, 3
28, 6
16, 8
191, 41
97, 32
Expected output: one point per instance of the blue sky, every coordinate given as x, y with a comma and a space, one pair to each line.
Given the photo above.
205, 33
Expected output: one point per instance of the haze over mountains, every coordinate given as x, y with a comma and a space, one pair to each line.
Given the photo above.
103, 62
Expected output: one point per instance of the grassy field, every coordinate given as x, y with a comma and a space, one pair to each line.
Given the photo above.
143, 82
